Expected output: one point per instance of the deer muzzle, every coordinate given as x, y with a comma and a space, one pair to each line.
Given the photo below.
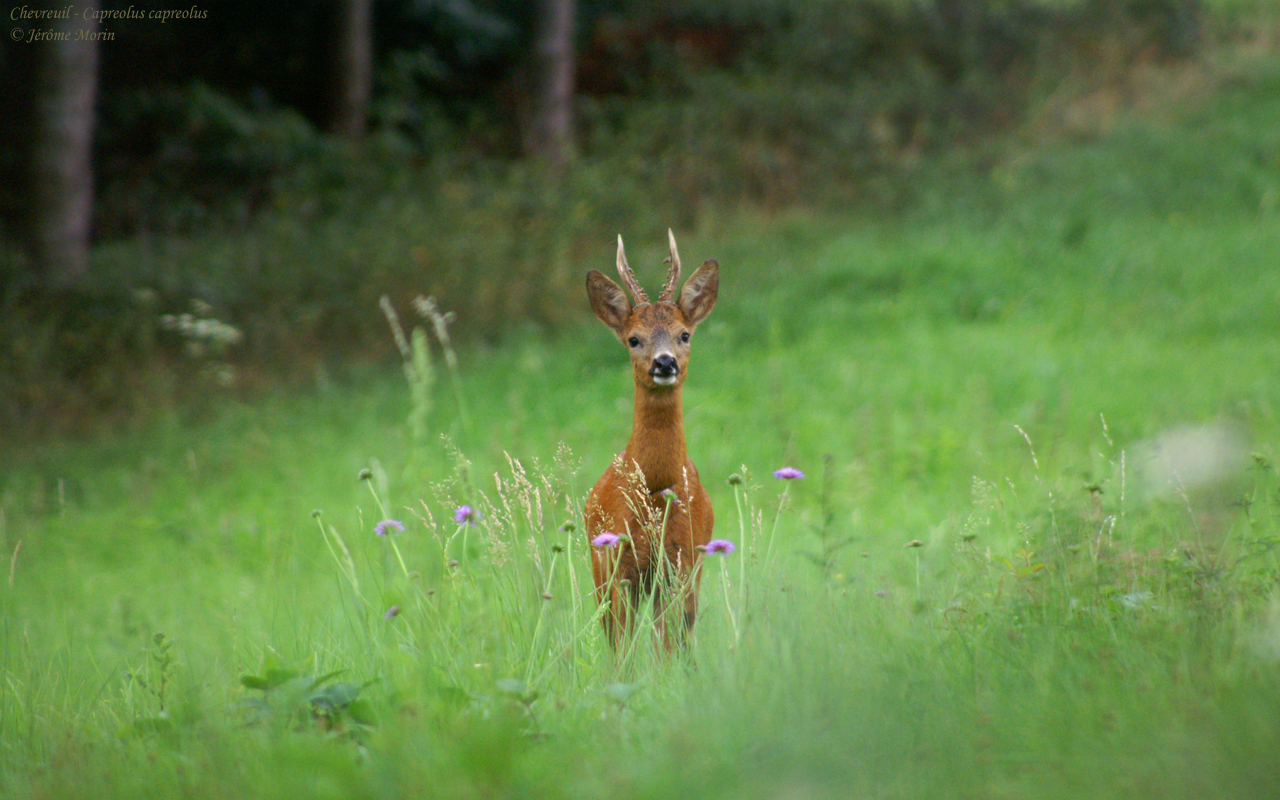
665, 370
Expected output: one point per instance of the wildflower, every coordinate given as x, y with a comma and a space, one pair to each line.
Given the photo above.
394, 611
720, 547
787, 474
915, 543
735, 479
606, 540
365, 474
466, 515
382, 527
668, 496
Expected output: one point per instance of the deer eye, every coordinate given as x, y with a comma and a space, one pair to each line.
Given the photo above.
633, 341
684, 337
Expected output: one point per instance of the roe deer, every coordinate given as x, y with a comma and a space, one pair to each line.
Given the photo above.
650, 495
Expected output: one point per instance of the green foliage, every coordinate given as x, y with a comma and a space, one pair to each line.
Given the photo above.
296, 702
153, 680
193, 159
782, 101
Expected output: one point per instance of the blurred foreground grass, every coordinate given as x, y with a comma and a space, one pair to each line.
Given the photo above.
1058, 380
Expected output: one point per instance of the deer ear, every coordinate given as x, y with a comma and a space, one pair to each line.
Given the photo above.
608, 301
698, 296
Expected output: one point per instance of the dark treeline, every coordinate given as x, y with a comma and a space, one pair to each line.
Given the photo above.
462, 66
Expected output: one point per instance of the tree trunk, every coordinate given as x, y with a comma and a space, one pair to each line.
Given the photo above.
62, 151
550, 129
353, 69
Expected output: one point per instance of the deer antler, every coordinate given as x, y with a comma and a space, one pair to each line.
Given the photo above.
673, 274
625, 272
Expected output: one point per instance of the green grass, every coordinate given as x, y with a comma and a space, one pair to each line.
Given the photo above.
958, 374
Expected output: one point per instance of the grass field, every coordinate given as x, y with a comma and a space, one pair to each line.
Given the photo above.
1055, 376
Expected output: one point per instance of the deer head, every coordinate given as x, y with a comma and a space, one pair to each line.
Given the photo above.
656, 334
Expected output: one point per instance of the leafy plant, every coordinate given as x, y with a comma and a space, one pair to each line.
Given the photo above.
294, 701
154, 678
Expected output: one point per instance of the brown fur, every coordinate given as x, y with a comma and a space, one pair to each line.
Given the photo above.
659, 560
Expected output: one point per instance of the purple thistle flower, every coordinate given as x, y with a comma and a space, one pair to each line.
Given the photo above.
787, 474
382, 527
466, 515
606, 540
394, 611
722, 547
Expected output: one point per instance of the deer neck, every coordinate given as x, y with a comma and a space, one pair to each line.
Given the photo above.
657, 437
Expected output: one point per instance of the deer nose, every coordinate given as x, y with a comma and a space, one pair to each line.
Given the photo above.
665, 366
